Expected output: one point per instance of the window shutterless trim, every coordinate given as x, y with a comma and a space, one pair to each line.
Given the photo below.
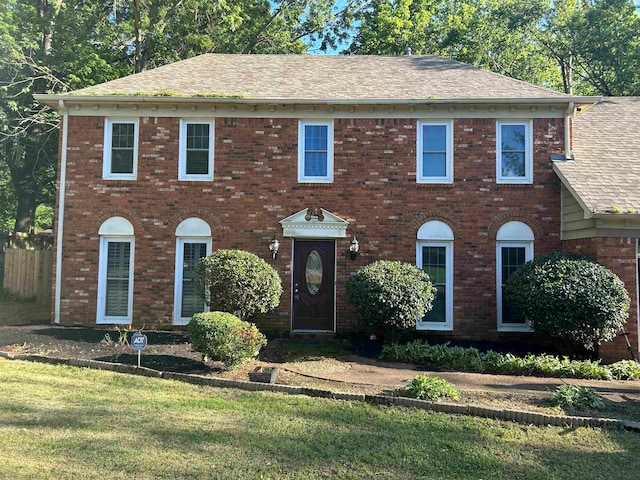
528, 246
448, 245
178, 319
420, 176
301, 151
107, 149
101, 317
528, 152
182, 155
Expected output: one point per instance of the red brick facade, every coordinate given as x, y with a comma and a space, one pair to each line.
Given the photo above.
255, 186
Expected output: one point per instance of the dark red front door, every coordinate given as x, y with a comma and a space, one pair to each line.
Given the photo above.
314, 285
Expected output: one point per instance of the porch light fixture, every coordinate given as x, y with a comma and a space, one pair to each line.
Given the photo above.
274, 245
354, 247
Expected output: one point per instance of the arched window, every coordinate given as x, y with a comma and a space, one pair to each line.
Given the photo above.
193, 242
434, 255
115, 272
514, 247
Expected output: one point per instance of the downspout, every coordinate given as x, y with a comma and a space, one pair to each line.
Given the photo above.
568, 154
63, 183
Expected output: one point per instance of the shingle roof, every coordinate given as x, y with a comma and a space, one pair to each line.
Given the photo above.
321, 78
606, 145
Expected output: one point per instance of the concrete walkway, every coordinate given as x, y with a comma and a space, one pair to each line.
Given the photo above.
361, 370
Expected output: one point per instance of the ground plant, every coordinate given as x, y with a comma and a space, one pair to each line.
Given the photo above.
571, 298
426, 387
238, 282
473, 360
224, 337
576, 397
66, 423
390, 295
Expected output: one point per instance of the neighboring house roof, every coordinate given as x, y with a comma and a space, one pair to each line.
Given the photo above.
605, 175
323, 78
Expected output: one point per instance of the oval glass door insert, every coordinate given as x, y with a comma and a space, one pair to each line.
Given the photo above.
313, 272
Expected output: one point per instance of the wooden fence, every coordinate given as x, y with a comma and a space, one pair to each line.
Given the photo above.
27, 267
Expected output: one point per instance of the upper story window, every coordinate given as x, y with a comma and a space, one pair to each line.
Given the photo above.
120, 158
195, 160
315, 151
435, 152
514, 152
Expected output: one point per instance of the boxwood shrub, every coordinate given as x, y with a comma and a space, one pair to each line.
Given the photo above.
238, 282
390, 295
224, 337
571, 298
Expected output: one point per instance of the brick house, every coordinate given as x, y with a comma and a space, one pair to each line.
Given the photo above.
464, 172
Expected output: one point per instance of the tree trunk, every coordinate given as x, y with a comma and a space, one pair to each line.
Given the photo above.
25, 212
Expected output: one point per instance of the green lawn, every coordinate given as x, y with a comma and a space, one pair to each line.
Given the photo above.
60, 422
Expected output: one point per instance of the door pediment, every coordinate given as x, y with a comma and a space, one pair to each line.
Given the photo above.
314, 223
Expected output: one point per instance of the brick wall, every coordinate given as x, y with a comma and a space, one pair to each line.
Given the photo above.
256, 186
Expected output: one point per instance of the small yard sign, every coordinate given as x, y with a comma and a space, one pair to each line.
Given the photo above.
138, 342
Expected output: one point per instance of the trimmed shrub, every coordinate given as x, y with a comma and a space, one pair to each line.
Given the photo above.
425, 387
224, 337
575, 397
390, 295
238, 282
571, 298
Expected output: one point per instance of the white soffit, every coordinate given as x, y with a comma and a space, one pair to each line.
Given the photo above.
306, 224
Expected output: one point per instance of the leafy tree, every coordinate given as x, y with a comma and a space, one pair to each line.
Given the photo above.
571, 298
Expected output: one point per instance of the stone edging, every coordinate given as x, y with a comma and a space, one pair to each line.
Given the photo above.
518, 416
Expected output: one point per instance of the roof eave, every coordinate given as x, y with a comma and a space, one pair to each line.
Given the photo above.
53, 100
588, 213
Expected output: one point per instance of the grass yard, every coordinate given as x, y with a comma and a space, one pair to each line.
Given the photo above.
60, 422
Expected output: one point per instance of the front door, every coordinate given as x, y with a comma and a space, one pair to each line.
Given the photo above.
314, 264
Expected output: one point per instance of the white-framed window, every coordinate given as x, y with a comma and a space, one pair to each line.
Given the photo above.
193, 242
115, 272
514, 247
315, 151
514, 149
120, 156
195, 159
435, 152
434, 255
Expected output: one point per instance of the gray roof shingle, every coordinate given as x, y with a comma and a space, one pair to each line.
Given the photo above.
321, 78
606, 145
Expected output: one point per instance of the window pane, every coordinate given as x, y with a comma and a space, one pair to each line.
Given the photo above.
191, 302
122, 135
434, 164
117, 284
198, 136
122, 161
434, 262
315, 137
434, 138
315, 164
513, 137
197, 162
512, 259
438, 311
513, 164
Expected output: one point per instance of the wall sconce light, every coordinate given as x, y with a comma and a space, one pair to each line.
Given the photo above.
274, 245
354, 247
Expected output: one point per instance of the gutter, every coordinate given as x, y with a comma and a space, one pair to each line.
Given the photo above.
51, 100
63, 183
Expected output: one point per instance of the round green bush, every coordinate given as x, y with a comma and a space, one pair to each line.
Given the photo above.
571, 298
224, 337
390, 294
238, 282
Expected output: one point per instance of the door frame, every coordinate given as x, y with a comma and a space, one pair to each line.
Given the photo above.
335, 272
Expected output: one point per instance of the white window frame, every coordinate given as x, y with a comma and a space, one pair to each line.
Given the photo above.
528, 152
107, 149
182, 155
179, 269
420, 176
528, 245
448, 324
301, 150
101, 318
